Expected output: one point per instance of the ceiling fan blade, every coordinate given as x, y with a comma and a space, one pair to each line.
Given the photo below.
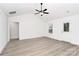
37, 10
46, 12
44, 9
36, 13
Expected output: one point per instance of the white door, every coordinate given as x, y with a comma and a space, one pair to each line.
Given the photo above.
14, 30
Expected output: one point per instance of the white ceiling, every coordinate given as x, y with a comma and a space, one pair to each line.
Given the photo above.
55, 10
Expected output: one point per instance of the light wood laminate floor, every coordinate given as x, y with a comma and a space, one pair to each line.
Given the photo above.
40, 47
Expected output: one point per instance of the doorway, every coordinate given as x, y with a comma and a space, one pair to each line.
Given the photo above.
14, 30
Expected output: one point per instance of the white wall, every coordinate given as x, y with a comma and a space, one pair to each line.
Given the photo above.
3, 30
58, 33
30, 26
14, 30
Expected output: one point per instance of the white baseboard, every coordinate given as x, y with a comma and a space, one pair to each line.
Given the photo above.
30, 37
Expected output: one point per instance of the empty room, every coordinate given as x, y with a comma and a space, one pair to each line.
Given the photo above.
39, 29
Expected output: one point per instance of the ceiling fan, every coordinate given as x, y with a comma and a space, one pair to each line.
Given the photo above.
42, 11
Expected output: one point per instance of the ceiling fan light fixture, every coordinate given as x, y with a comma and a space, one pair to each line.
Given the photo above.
42, 11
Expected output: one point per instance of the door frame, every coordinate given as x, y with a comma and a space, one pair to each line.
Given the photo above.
10, 30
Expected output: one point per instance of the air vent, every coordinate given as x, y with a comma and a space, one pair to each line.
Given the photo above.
12, 12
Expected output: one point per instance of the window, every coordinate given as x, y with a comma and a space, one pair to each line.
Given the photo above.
66, 27
51, 29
